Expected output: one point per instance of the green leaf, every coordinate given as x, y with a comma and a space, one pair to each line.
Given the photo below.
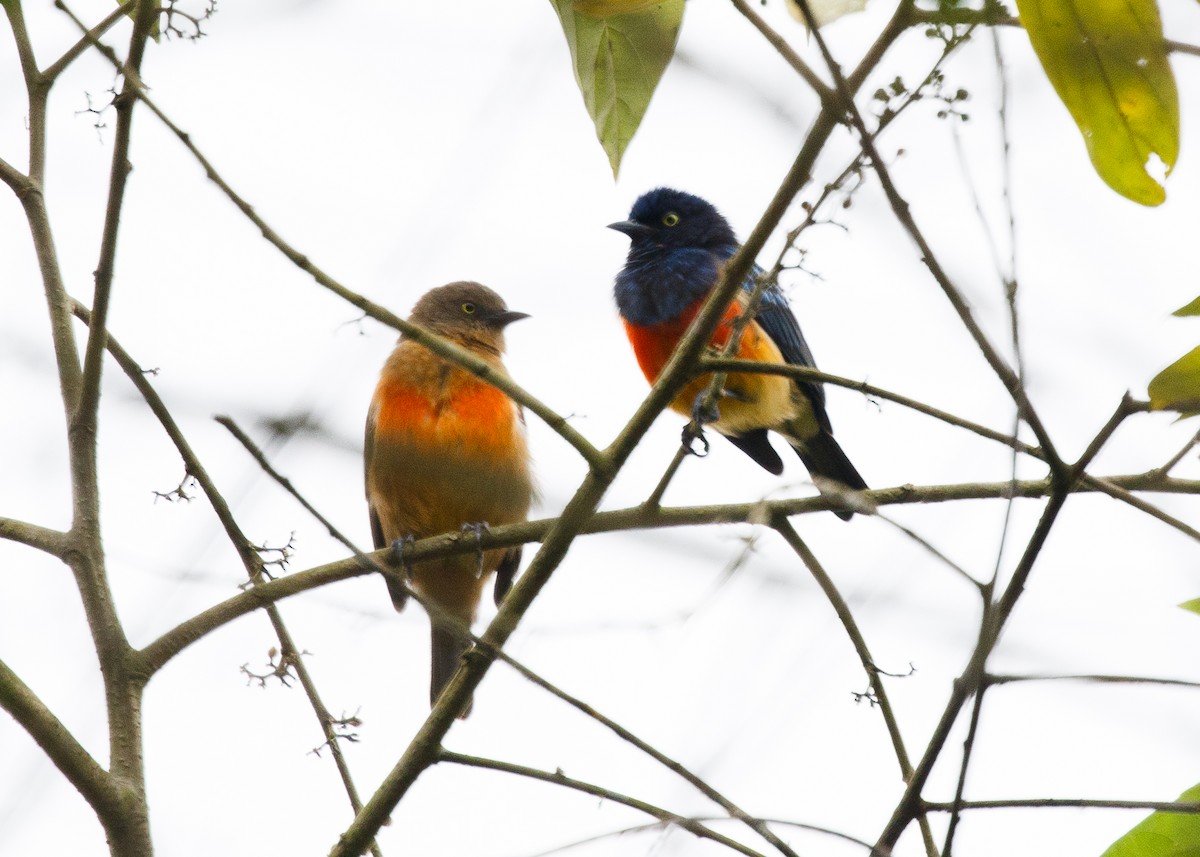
1177, 388
1108, 62
1163, 834
1193, 605
620, 49
132, 11
825, 11
1191, 309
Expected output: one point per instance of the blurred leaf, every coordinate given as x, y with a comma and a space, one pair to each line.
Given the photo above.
619, 49
1191, 309
1177, 388
132, 13
608, 8
1163, 834
825, 11
1108, 62
1193, 605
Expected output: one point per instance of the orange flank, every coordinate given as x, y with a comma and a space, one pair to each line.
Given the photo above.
749, 400
654, 344
469, 415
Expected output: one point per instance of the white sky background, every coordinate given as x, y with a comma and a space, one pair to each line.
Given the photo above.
401, 146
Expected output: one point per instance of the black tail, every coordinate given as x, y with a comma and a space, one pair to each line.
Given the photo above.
447, 648
823, 457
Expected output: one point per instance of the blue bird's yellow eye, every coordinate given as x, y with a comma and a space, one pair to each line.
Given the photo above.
468, 308
670, 219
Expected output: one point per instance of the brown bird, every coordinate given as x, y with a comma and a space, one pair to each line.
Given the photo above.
446, 451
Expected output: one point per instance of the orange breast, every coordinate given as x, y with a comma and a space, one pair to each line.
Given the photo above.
654, 344
468, 416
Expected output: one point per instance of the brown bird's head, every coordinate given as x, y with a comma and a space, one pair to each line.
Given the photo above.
465, 311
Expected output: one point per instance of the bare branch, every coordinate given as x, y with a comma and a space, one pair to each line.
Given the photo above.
55, 69
755, 824
1174, 460
560, 779
660, 825
1065, 803
260, 457
183, 635
67, 754
998, 679
807, 373
910, 804
83, 416
53, 542
878, 691
822, 89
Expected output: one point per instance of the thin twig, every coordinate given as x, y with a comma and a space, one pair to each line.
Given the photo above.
84, 416
1067, 803
820, 87
560, 779
260, 457
961, 785
659, 825
809, 374
941, 557
1100, 678
879, 695
1174, 460
755, 824
55, 69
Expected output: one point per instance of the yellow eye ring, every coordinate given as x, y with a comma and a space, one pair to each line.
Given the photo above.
468, 308
670, 219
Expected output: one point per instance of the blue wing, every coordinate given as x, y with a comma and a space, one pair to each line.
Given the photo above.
775, 316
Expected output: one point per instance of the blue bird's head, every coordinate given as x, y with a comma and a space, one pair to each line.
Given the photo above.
671, 219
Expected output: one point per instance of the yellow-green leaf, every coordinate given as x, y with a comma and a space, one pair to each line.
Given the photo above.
825, 11
155, 32
1191, 309
1163, 834
1108, 62
1193, 605
608, 8
620, 49
1177, 388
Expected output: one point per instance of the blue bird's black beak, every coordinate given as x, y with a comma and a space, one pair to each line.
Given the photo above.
631, 228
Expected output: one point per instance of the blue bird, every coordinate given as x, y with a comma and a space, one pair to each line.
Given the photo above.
679, 245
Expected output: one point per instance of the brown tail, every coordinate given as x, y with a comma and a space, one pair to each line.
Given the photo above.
447, 648
823, 457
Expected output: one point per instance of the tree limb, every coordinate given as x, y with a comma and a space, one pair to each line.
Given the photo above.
59, 745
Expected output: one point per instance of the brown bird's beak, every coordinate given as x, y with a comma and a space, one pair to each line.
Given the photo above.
504, 319
630, 227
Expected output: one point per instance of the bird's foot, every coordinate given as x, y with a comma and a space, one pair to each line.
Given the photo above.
693, 432
477, 530
704, 409
399, 547
399, 582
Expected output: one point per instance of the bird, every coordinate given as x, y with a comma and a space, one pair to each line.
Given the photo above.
679, 244
446, 452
